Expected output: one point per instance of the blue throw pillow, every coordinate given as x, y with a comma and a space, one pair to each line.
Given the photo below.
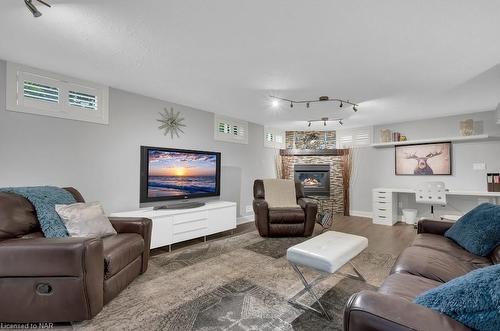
44, 199
478, 231
472, 299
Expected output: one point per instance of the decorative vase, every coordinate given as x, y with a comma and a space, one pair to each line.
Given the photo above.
467, 127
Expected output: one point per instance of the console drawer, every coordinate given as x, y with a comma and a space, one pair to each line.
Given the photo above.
189, 218
189, 226
185, 232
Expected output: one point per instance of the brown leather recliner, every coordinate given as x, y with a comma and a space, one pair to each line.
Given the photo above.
429, 262
63, 279
283, 222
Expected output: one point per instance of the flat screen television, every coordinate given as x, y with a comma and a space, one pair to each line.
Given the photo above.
173, 174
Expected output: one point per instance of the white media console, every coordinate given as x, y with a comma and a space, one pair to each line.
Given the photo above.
171, 226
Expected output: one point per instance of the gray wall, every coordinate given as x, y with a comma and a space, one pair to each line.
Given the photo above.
102, 161
374, 167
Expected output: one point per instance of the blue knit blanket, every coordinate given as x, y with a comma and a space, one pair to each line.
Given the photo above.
44, 199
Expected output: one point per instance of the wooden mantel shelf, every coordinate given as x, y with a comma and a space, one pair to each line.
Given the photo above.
313, 152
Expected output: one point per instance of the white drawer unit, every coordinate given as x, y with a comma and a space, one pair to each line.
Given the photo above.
385, 207
172, 226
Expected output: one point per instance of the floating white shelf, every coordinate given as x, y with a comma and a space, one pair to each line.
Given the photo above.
436, 140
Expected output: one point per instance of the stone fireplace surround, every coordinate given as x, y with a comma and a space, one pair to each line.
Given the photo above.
319, 148
290, 158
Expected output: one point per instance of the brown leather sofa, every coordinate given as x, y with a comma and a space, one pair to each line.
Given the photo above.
283, 222
430, 261
63, 279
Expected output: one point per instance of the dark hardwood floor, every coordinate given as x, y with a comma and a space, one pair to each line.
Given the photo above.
381, 238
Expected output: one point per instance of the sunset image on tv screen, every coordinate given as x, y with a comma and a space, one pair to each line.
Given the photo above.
180, 174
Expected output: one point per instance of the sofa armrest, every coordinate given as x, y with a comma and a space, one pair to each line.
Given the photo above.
367, 310
69, 272
433, 227
310, 208
261, 210
139, 225
46, 257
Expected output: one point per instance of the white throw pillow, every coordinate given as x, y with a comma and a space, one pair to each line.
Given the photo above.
85, 220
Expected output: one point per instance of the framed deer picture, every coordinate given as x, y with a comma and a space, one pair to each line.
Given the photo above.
424, 159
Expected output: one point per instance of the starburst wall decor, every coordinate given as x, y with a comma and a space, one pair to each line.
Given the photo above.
171, 122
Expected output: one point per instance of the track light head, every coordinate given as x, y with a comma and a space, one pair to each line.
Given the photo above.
355, 108
307, 104
275, 103
341, 123
324, 123
341, 104
291, 104
32, 8
309, 124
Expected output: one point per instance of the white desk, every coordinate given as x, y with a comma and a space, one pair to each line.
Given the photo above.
385, 202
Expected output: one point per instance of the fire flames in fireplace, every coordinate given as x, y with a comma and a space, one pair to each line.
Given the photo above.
311, 182
314, 177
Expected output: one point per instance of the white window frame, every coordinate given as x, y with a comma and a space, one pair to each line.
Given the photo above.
17, 74
352, 138
277, 136
241, 126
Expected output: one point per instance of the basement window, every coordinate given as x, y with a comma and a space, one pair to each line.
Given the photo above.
40, 92
83, 100
35, 91
230, 130
273, 138
350, 138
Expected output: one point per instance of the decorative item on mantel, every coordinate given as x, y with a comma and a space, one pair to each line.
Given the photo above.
467, 127
310, 139
171, 122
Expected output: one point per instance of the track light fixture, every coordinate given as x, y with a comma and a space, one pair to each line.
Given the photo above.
33, 9
325, 120
323, 98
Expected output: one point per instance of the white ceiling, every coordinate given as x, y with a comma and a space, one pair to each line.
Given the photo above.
399, 59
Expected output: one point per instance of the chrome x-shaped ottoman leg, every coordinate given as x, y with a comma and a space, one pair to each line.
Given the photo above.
308, 288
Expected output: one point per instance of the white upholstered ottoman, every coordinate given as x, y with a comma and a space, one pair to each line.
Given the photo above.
327, 253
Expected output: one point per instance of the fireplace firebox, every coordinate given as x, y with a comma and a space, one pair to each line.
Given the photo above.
314, 177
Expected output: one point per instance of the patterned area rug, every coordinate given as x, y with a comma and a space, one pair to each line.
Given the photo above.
237, 283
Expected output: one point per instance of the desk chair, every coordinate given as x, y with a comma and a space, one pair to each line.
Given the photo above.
433, 193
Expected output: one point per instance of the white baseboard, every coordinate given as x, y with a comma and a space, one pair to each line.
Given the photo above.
245, 219
361, 213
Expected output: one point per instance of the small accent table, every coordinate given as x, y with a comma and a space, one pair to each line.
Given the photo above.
326, 253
